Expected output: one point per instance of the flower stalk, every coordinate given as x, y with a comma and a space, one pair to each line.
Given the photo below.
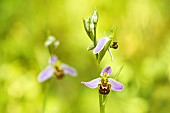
47, 90
102, 102
95, 42
99, 47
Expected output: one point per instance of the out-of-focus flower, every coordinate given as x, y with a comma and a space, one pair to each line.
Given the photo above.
52, 41
104, 83
56, 68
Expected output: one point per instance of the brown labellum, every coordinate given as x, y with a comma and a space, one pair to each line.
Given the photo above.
59, 73
104, 90
114, 45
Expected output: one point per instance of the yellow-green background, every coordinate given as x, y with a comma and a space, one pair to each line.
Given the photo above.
144, 50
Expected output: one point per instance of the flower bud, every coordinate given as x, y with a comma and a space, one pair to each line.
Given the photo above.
56, 43
49, 41
87, 24
95, 17
91, 26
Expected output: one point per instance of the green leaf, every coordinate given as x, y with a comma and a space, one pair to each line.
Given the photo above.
103, 51
118, 72
84, 23
112, 32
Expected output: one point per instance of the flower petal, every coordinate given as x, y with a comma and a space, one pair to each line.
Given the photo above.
46, 74
107, 70
100, 45
68, 70
53, 59
115, 85
93, 83
111, 55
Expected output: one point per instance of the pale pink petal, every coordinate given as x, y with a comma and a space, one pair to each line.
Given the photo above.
107, 70
100, 45
93, 83
53, 59
115, 85
46, 74
69, 70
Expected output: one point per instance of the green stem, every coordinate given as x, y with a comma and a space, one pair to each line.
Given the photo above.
95, 42
102, 102
47, 88
45, 100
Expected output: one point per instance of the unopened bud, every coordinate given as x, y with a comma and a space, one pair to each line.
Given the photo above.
91, 26
95, 17
87, 24
52, 41
49, 41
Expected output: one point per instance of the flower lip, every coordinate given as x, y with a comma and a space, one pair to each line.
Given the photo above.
104, 89
100, 45
114, 45
107, 70
59, 73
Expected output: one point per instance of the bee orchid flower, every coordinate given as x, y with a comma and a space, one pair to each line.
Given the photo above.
102, 43
104, 83
56, 68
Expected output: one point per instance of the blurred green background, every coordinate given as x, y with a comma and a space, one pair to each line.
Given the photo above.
144, 50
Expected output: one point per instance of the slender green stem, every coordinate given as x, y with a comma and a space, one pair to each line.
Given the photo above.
47, 89
102, 102
95, 41
44, 102
45, 99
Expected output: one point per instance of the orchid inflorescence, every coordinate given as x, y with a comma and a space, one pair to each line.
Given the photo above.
102, 45
104, 83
